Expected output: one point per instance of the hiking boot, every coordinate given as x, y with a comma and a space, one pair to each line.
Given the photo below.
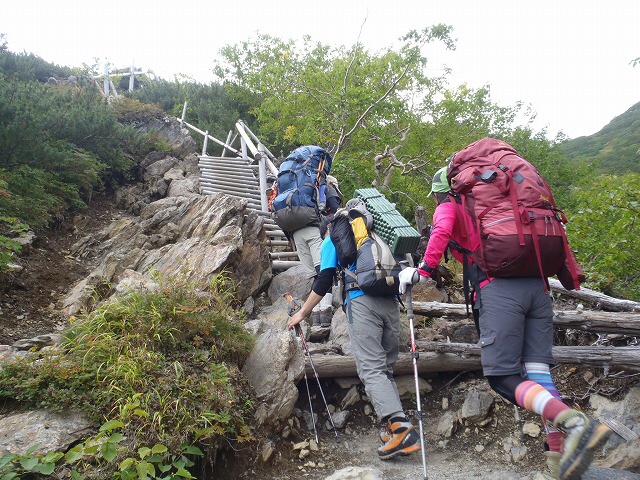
584, 437
403, 440
325, 317
553, 465
385, 433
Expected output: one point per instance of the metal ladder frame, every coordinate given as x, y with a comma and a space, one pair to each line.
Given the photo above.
249, 142
252, 154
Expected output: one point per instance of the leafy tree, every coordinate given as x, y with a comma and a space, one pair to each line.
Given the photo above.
605, 230
456, 119
388, 123
340, 97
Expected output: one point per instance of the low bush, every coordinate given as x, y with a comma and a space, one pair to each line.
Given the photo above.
165, 365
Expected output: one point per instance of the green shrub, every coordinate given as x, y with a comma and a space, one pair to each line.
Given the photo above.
605, 231
165, 364
10, 228
100, 453
130, 110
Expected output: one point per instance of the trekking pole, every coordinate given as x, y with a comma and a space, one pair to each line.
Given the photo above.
294, 307
326, 405
520, 423
313, 417
415, 355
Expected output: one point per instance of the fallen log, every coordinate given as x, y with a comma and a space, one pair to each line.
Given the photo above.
627, 358
457, 357
586, 320
438, 309
598, 321
336, 366
596, 298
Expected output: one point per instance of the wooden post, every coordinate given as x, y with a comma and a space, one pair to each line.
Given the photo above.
262, 173
227, 142
132, 77
105, 81
184, 114
204, 144
243, 148
421, 218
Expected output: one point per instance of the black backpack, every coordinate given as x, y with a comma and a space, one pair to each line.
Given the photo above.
377, 268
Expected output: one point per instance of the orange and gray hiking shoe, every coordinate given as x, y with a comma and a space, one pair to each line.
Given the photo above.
386, 433
403, 439
584, 437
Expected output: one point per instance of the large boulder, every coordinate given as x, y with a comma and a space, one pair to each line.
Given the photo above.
50, 431
620, 454
293, 280
182, 144
273, 369
275, 366
161, 176
190, 237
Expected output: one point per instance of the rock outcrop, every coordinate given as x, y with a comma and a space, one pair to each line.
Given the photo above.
49, 431
192, 237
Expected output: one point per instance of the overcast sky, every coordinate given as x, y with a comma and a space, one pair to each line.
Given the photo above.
569, 59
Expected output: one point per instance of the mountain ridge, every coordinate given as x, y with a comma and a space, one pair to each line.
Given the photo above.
613, 149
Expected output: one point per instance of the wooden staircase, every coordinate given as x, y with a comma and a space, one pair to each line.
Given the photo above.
238, 177
245, 169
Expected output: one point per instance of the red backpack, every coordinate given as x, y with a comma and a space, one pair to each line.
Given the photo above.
521, 229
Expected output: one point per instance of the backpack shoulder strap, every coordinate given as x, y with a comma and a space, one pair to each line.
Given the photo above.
457, 201
349, 272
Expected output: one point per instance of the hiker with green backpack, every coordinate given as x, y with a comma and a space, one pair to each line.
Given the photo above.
498, 218
373, 324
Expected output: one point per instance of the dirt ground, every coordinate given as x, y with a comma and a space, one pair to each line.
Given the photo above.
30, 301
472, 452
30, 305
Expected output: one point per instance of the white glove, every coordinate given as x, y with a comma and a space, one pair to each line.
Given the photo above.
408, 276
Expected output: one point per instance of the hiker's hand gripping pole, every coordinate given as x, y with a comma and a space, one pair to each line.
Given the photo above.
415, 356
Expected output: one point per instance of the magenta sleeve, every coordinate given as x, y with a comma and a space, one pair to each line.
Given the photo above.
444, 219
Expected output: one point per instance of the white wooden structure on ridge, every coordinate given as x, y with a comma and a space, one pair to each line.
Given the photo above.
245, 169
108, 88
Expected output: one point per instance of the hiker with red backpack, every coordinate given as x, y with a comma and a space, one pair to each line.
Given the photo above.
498, 217
374, 329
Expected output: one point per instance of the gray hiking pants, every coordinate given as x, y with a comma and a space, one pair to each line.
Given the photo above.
308, 241
516, 325
374, 328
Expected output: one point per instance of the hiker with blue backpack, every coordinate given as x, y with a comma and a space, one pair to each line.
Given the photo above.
307, 193
497, 216
373, 324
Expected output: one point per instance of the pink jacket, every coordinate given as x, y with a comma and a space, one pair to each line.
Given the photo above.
448, 225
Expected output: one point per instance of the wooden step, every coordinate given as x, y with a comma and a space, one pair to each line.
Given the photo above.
238, 178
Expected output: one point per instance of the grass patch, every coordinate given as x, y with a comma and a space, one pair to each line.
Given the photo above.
164, 366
